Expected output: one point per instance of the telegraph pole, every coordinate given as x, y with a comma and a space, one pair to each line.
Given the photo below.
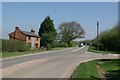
97, 35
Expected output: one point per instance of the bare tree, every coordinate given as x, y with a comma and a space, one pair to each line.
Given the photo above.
69, 31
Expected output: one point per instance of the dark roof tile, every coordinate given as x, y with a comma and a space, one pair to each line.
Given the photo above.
29, 33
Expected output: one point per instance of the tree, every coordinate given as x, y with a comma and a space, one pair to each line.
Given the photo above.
101, 46
70, 31
109, 40
47, 32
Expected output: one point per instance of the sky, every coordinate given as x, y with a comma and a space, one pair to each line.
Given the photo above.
28, 15
60, 0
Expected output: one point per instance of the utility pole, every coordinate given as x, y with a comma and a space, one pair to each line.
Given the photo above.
97, 35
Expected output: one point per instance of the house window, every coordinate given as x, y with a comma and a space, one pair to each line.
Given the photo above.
29, 37
36, 45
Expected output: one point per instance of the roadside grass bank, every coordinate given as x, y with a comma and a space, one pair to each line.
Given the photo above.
111, 68
6, 54
93, 49
86, 70
108, 69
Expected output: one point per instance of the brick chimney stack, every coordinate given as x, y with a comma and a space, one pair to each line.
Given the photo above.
32, 30
17, 28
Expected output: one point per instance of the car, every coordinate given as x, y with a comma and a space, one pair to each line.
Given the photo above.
81, 44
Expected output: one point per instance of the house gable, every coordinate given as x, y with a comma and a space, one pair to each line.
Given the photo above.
17, 35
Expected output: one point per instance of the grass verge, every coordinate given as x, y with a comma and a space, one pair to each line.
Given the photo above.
111, 68
86, 70
6, 54
92, 49
89, 70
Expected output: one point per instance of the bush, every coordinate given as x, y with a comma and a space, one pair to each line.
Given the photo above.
0, 44
4, 44
109, 40
14, 46
48, 46
73, 44
21, 46
61, 45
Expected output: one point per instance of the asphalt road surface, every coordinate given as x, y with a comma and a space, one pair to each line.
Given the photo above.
50, 64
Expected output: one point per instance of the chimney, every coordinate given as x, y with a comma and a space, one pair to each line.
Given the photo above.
17, 28
32, 30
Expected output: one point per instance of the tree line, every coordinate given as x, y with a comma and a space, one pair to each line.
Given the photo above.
67, 32
109, 40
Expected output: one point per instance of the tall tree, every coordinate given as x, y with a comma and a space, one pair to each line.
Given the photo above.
70, 31
47, 32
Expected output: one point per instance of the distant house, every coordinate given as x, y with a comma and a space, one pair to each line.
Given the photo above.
29, 37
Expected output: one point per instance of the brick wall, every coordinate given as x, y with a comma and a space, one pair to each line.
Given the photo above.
17, 35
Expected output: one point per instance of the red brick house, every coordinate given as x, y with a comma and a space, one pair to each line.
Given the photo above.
29, 37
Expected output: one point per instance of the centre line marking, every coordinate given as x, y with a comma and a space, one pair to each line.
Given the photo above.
11, 69
78, 49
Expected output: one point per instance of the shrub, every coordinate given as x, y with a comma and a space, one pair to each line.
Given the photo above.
73, 44
61, 45
109, 40
21, 46
48, 46
4, 44
14, 46
0, 44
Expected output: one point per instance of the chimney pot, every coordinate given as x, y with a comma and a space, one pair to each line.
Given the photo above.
32, 30
17, 28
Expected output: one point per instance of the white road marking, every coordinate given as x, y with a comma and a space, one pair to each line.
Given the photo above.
113, 54
32, 54
11, 69
27, 55
69, 71
78, 49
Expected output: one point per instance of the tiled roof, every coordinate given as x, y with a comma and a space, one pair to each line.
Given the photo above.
29, 33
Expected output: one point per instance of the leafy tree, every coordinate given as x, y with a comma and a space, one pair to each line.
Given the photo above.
47, 32
70, 31
101, 46
109, 40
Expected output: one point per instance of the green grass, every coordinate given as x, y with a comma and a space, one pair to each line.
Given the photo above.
86, 70
58, 48
11, 54
111, 67
5, 54
0, 54
92, 49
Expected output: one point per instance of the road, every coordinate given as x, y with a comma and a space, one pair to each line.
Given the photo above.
51, 64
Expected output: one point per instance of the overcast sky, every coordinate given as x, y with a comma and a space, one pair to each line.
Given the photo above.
29, 15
